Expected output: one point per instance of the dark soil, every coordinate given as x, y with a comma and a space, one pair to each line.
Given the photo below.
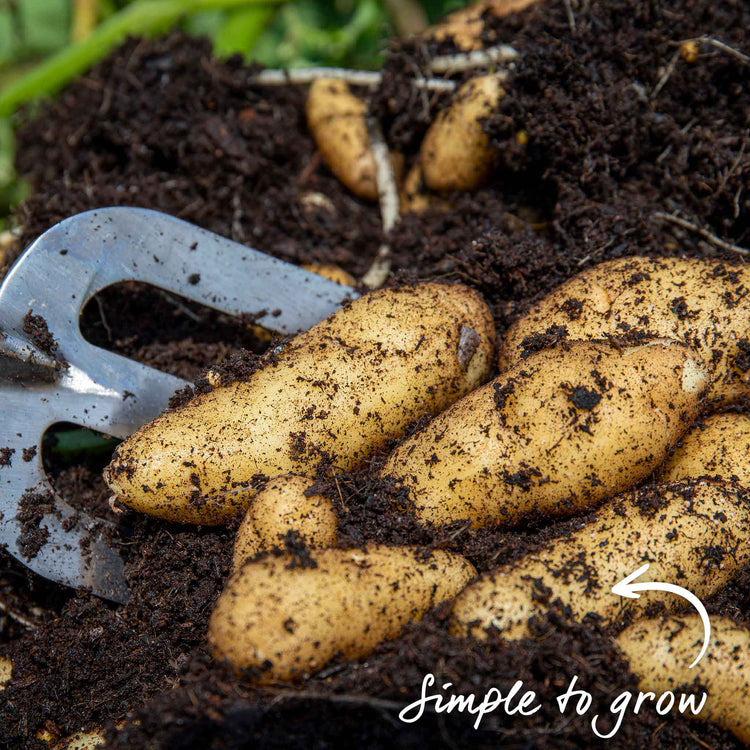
162, 125
36, 327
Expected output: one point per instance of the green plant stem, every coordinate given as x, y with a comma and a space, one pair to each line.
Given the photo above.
146, 17
242, 29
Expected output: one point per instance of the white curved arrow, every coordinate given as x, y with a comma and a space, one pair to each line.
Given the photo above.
627, 588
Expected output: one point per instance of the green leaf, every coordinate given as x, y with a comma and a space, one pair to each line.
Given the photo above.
144, 17
8, 44
43, 26
241, 30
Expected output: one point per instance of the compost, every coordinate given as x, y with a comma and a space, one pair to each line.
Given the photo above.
617, 127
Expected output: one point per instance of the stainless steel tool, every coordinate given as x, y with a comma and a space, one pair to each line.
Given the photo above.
88, 386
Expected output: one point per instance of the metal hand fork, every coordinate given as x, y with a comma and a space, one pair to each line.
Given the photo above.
88, 386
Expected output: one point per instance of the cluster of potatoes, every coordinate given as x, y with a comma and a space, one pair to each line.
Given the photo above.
600, 387
455, 154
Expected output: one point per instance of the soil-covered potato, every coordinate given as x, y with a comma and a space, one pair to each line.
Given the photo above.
414, 198
692, 534
704, 303
456, 153
332, 272
335, 394
558, 432
284, 505
720, 446
465, 27
337, 121
279, 621
6, 671
660, 652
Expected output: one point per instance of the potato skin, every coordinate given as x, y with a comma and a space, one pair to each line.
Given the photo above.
703, 303
282, 506
331, 272
415, 199
299, 618
669, 526
562, 430
456, 153
336, 393
720, 446
661, 650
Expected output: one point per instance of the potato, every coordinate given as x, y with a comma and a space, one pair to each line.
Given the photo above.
703, 303
692, 534
718, 447
465, 27
85, 740
557, 433
661, 650
331, 272
414, 198
280, 622
6, 671
456, 153
337, 121
282, 506
335, 394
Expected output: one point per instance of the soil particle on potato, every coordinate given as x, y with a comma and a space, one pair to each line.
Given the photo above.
584, 398
537, 342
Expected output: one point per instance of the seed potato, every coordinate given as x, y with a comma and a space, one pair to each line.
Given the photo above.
660, 652
336, 393
283, 505
703, 303
560, 431
718, 447
276, 622
692, 534
456, 153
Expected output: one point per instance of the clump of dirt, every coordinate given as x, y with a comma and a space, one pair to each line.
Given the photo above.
593, 137
32, 508
36, 327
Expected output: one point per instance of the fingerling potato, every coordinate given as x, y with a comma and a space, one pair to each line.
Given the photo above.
704, 303
465, 27
560, 431
337, 121
720, 446
456, 153
275, 621
660, 652
692, 534
333, 396
285, 504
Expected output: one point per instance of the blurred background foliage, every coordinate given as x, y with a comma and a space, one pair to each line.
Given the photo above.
46, 43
